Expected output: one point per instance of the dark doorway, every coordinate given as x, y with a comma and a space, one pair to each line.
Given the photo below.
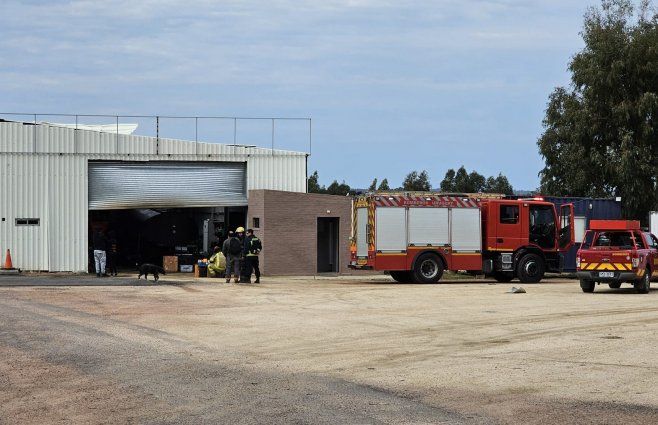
328, 244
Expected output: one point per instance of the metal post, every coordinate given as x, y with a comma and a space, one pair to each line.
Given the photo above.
34, 135
272, 136
310, 136
157, 135
75, 136
116, 148
235, 131
196, 135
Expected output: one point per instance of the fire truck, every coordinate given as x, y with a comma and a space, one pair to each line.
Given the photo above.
417, 236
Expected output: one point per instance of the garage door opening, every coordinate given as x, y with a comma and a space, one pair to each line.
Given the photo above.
165, 208
147, 235
328, 244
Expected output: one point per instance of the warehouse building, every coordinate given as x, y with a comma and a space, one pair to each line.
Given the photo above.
159, 196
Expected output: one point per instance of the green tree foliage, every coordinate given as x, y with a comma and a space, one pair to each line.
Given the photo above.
336, 188
314, 184
498, 184
464, 182
448, 182
417, 182
384, 185
373, 185
601, 134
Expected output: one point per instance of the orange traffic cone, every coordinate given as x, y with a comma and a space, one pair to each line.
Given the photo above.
8, 263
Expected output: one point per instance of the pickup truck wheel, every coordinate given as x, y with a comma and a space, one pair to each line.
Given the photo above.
530, 268
428, 268
503, 277
614, 285
643, 285
587, 285
402, 276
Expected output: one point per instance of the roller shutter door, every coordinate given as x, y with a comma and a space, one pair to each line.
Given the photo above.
391, 229
465, 229
429, 226
127, 185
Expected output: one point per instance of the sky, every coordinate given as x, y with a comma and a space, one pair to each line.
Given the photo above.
391, 86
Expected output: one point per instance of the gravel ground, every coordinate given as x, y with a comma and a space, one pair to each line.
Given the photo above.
329, 350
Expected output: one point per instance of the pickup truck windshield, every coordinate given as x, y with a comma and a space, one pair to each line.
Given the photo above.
611, 239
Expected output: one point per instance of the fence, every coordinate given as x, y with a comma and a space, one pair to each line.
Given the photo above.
117, 124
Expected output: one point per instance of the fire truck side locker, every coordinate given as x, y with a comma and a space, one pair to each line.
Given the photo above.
466, 239
429, 227
362, 232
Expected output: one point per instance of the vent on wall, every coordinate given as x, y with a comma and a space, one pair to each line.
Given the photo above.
27, 221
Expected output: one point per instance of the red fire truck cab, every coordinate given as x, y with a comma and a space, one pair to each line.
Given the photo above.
415, 237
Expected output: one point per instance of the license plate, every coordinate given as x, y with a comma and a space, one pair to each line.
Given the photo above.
606, 274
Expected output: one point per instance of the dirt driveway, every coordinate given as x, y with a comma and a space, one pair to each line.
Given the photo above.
341, 350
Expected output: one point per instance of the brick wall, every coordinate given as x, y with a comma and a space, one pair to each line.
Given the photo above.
288, 229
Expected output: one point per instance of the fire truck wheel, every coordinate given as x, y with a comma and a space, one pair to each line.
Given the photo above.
402, 277
643, 285
530, 268
614, 285
428, 268
587, 285
503, 277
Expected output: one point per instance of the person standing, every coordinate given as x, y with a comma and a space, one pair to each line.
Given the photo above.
252, 247
112, 252
227, 254
99, 243
234, 251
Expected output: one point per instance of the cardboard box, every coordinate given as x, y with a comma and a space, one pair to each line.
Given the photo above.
170, 263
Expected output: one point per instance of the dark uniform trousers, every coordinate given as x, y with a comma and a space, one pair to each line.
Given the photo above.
253, 265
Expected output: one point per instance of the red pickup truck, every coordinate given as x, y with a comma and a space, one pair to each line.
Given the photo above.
617, 251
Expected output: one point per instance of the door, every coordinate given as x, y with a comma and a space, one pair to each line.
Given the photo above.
508, 226
327, 248
652, 241
566, 237
362, 230
166, 184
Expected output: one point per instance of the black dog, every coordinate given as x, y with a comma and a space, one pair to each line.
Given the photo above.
147, 269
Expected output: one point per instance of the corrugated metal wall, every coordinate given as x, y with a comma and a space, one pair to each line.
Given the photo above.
43, 174
54, 190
